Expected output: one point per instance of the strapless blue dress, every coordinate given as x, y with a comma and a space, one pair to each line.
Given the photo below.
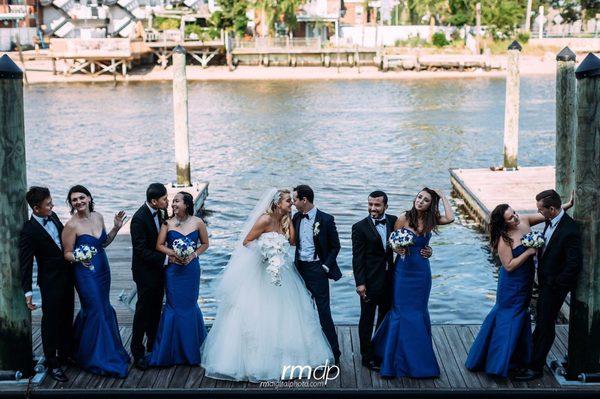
181, 331
98, 345
403, 340
504, 340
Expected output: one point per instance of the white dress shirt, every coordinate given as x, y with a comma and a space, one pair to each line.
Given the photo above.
551, 228
307, 241
381, 229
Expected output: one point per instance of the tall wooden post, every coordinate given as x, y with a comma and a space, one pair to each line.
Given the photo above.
15, 319
566, 122
584, 323
180, 114
511, 108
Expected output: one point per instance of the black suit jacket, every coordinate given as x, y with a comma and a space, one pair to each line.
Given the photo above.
35, 242
146, 262
327, 242
372, 263
562, 259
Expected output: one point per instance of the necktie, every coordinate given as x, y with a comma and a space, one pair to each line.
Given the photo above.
46, 220
380, 221
548, 223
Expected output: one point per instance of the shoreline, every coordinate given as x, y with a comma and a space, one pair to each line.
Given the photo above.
41, 73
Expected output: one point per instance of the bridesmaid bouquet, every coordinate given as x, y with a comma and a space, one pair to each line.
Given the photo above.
402, 238
533, 239
84, 254
274, 248
183, 247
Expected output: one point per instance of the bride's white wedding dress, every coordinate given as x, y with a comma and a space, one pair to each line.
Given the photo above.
261, 327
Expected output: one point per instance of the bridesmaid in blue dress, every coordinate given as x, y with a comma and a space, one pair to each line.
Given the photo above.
181, 331
403, 341
98, 345
504, 341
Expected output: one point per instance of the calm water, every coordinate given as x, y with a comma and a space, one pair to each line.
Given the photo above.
343, 138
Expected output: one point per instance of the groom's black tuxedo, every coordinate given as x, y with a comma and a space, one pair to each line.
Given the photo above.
327, 246
56, 281
148, 273
558, 268
372, 263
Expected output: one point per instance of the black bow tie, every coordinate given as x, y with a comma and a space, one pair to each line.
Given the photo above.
46, 220
380, 221
154, 214
304, 215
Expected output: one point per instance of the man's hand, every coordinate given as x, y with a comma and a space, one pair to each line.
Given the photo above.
361, 290
29, 302
426, 252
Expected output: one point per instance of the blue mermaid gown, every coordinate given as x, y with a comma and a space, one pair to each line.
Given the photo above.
98, 345
181, 331
403, 341
504, 340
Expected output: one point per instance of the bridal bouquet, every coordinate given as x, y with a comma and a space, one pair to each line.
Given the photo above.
183, 247
274, 249
84, 254
533, 239
402, 238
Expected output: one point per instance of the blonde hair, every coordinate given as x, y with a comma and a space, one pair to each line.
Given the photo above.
286, 221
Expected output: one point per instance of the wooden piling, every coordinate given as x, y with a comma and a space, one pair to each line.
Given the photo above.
584, 344
180, 114
566, 121
15, 319
511, 111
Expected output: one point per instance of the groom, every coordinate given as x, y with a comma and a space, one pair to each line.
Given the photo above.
317, 247
148, 271
559, 264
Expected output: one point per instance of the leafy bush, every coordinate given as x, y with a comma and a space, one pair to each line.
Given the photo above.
163, 23
439, 39
412, 41
523, 37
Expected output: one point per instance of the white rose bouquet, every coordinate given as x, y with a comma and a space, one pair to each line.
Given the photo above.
84, 254
402, 238
533, 239
274, 248
183, 247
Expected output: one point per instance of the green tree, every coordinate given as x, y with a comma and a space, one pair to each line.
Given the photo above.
502, 17
591, 8
231, 16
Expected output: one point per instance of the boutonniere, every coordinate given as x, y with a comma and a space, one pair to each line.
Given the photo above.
162, 214
316, 228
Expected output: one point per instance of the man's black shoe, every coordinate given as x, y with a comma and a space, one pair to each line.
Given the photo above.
528, 375
57, 374
371, 365
141, 363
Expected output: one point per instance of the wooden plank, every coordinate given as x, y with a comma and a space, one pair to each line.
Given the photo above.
196, 379
337, 383
363, 374
347, 373
164, 377
443, 381
447, 359
180, 376
460, 356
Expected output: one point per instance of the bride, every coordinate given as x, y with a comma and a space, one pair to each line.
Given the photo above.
266, 320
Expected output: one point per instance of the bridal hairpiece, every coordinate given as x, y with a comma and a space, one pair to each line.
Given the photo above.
276, 197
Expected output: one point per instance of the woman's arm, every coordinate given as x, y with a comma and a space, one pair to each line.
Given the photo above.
448, 216
259, 227
292, 233
69, 235
118, 223
160, 241
203, 233
508, 262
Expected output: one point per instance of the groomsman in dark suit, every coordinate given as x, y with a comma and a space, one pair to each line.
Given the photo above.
559, 263
373, 267
41, 239
317, 247
148, 271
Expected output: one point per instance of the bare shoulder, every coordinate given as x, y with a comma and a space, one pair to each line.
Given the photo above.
71, 224
264, 220
198, 221
401, 221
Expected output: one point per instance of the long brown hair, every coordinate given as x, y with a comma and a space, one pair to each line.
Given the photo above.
498, 227
430, 217
286, 221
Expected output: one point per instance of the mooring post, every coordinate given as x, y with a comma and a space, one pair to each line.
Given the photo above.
511, 110
584, 320
15, 319
180, 114
566, 122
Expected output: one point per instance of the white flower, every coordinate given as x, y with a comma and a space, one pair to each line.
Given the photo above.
183, 247
274, 248
316, 229
533, 239
401, 238
84, 254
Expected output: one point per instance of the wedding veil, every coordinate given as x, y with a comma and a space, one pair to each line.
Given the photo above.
244, 261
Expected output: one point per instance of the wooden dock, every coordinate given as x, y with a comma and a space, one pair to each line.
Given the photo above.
451, 345
480, 190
